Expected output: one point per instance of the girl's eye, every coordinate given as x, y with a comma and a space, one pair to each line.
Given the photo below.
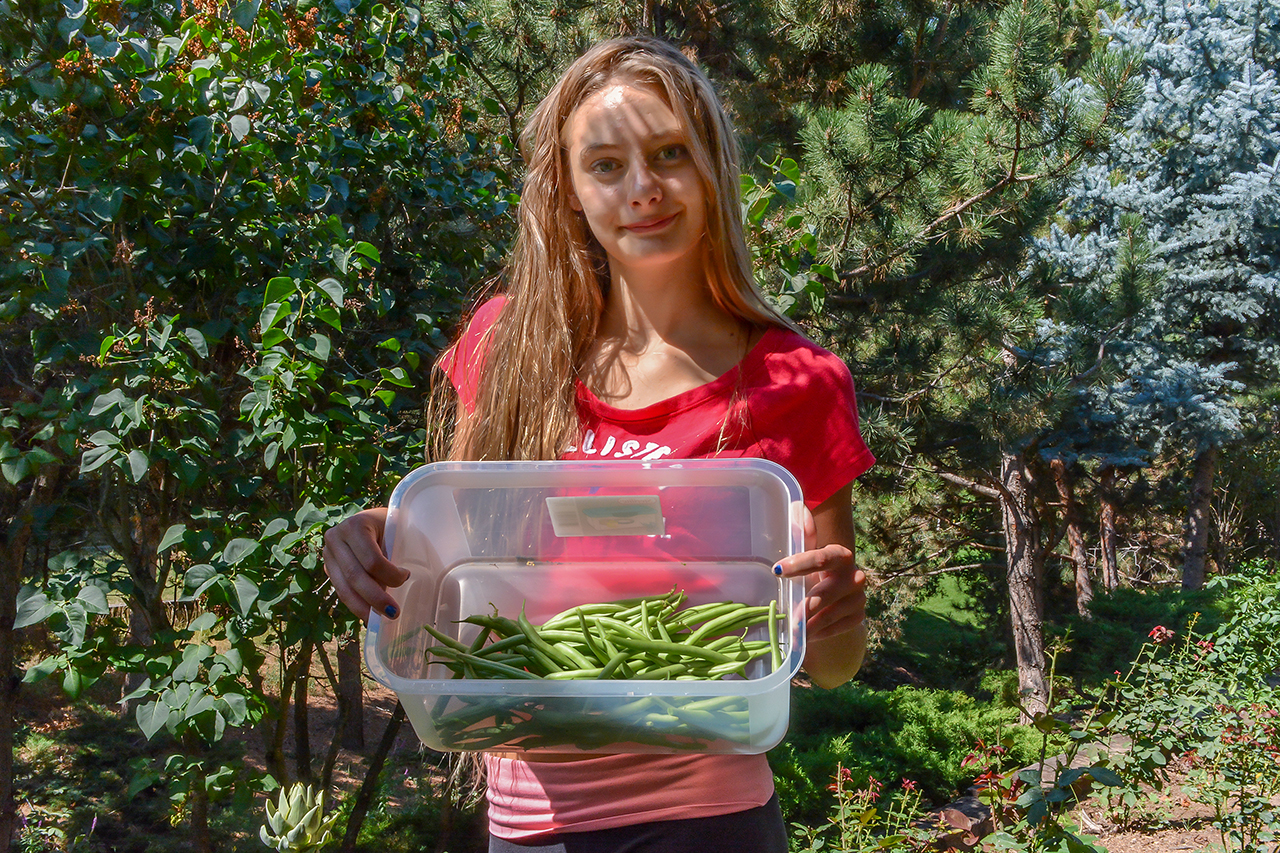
604, 167
672, 153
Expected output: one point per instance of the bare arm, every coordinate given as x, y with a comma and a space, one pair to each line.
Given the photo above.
356, 563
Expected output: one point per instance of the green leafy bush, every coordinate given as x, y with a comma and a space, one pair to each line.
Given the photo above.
1121, 620
1206, 705
235, 235
910, 733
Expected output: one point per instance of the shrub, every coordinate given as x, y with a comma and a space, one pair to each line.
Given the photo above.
909, 733
1121, 620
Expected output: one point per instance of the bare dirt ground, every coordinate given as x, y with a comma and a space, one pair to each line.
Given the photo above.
1182, 825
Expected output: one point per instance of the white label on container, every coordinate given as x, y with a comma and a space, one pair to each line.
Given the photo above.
606, 515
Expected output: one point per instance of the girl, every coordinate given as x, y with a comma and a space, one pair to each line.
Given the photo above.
631, 329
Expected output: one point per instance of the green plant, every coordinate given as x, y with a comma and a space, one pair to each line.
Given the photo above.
234, 236
868, 818
784, 245
1205, 701
1029, 806
296, 823
909, 732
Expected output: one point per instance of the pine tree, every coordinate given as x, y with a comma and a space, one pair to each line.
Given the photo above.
925, 210
1177, 231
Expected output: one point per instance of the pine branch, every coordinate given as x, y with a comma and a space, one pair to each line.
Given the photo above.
973, 486
920, 392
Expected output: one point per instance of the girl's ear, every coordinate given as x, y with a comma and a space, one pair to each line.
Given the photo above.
573, 201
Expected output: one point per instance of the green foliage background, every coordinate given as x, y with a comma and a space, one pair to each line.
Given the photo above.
235, 235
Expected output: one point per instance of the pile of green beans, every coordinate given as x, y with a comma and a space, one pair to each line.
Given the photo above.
645, 638
650, 638
567, 723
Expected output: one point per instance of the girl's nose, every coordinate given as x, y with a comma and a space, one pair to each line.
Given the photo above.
646, 189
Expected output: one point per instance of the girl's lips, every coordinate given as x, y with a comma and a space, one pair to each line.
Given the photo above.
651, 224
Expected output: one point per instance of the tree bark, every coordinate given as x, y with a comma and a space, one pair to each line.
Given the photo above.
1196, 540
1025, 573
1275, 535
301, 707
364, 797
351, 691
1107, 529
331, 756
133, 530
1075, 536
15, 539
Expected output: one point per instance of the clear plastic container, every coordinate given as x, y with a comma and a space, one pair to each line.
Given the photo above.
480, 537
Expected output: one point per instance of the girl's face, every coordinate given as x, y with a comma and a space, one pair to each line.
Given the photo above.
634, 179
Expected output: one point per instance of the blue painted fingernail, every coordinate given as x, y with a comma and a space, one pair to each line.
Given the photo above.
391, 611
777, 569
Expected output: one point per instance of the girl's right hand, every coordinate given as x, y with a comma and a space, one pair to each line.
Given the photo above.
358, 567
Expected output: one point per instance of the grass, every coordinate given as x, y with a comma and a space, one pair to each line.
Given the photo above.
945, 641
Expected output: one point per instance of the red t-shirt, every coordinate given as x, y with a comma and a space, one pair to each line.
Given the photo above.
789, 401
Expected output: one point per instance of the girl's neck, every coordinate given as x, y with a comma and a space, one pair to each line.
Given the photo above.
667, 303
661, 335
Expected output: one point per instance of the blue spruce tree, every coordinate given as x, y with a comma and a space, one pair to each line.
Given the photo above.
1171, 243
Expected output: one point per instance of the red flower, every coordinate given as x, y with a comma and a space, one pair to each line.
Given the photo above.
1160, 634
908, 785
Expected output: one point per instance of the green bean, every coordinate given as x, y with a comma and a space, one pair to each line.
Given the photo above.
578, 658
614, 663
652, 637
662, 672
540, 646
513, 642
585, 672
596, 651
727, 622
480, 640
775, 644
659, 647
493, 666
500, 624
541, 662
619, 628
446, 639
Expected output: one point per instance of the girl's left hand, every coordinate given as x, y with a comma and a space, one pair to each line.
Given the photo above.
835, 591
836, 595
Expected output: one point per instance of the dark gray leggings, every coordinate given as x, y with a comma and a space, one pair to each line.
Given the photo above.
758, 830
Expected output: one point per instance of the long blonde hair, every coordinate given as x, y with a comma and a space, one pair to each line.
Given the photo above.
557, 276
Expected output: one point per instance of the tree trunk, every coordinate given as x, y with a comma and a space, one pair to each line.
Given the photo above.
15, 537
1275, 535
134, 532
351, 691
280, 717
331, 756
13, 550
364, 797
1025, 572
301, 724
1196, 541
1075, 536
1107, 529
